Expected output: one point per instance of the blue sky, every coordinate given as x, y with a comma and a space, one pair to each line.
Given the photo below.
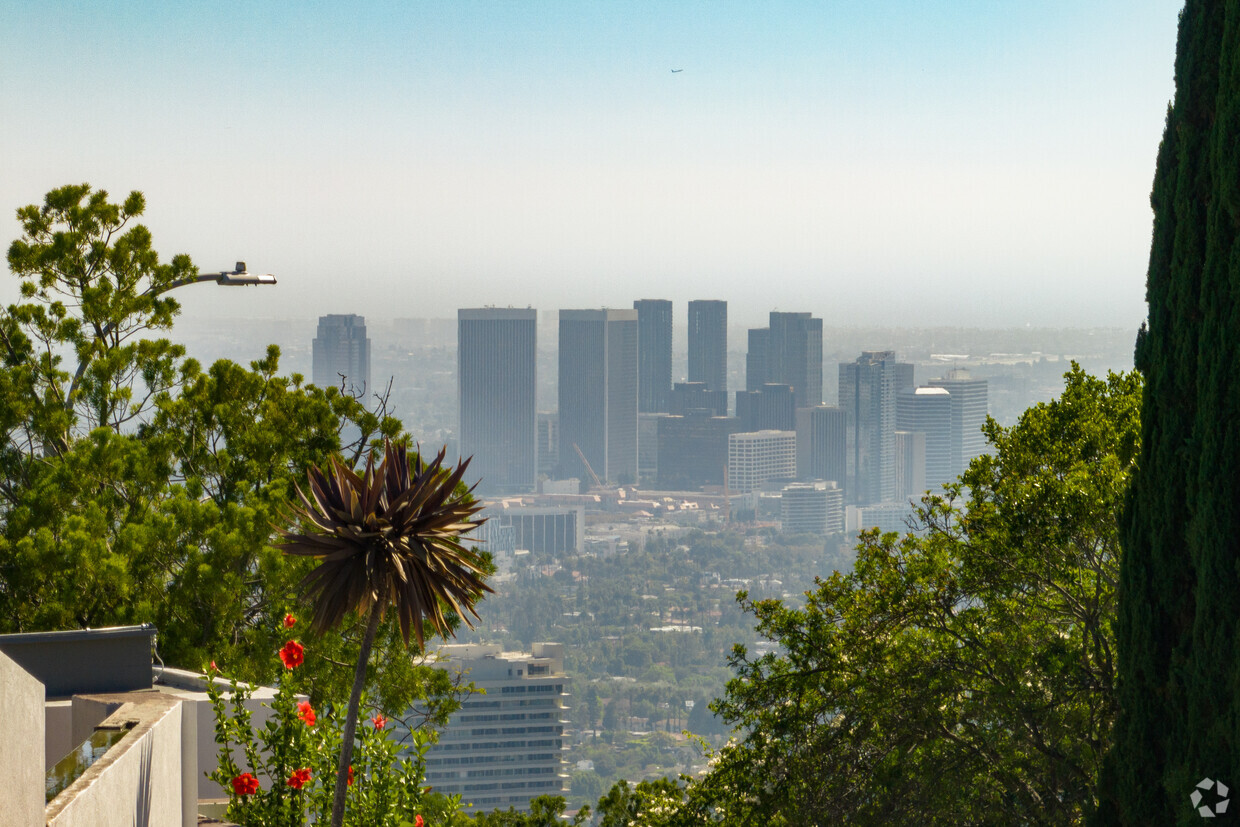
921, 163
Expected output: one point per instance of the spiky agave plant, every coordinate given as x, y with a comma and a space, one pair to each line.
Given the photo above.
388, 536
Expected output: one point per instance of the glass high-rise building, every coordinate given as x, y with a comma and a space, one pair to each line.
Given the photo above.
794, 356
654, 354
598, 394
868, 389
788, 352
496, 356
970, 407
341, 355
929, 411
708, 343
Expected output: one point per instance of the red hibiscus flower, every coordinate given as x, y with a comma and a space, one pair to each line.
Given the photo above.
417, 821
245, 784
299, 778
293, 655
349, 781
379, 721
289, 621
306, 713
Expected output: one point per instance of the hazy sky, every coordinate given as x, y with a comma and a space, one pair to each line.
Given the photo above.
912, 161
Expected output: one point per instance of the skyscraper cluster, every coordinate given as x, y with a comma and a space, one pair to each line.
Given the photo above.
621, 419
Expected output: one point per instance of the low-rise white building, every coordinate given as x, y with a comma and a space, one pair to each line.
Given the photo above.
759, 457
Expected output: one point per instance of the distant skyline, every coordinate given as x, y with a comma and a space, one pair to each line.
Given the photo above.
964, 163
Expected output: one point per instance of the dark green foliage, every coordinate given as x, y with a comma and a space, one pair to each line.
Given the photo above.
135, 486
1179, 620
961, 675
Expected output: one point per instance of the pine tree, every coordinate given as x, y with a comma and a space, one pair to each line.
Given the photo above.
1178, 630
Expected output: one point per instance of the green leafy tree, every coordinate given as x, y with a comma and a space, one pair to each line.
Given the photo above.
960, 675
545, 811
1179, 617
137, 486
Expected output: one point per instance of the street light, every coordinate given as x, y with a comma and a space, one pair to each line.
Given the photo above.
239, 277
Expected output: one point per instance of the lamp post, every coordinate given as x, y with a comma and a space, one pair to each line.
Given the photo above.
240, 277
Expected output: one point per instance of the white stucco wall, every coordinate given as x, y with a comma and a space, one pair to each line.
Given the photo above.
21, 746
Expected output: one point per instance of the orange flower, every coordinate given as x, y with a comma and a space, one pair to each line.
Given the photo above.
379, 721
299, 778
293, 654
245, 784
417, 821
289, 621
349, 782
306, 713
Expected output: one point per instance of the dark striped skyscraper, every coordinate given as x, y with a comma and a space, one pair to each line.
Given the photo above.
342, 354
654, 354
598, 394
708, 343
788, 352
496, 355
868, 389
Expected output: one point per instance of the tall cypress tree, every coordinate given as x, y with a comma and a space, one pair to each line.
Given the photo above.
1179, 616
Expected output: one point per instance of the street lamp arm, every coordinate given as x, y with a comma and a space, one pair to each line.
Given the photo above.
228, 278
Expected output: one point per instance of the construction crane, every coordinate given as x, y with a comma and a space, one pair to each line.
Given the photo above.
597, 482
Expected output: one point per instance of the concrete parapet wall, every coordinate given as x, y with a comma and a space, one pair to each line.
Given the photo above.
138, 782
21, 747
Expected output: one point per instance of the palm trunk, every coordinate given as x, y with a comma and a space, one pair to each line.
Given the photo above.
350, 721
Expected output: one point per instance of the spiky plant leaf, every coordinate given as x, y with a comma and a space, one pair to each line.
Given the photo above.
390, 536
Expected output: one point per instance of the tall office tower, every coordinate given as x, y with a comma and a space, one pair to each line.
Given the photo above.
501, 749
495, 358
794, 356
341, 349
929, 410
969, 411
654, 354
769, 408
755, 459
756, 358
708, 343
868, 389
598, 394
910, 454
822, 445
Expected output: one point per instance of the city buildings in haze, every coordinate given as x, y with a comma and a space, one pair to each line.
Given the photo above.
598, 394
708, 343
794, 356
929, 411
496, 355
970, 406
341, 354
769, 407
868, 389
756, 459
910, 465
654, 354
812, 508
505, 747
822, 445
